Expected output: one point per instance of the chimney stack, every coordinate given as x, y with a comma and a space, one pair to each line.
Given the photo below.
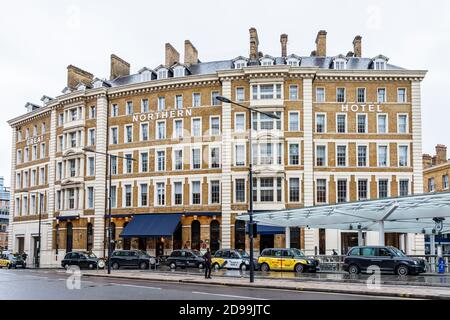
357, 46
254, 43
172, 55
284, 40
441, 154
427, 161
76, 75
321, 43
119, 67
190, 53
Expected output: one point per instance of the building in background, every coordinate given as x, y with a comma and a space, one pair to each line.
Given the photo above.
349, 129
4, 215
436, 172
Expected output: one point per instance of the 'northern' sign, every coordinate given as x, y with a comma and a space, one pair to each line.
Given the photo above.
161, 115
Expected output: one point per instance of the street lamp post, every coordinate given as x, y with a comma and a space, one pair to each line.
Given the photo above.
109, 157
250, 169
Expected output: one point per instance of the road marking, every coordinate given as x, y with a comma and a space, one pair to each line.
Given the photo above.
134, 286
228, 295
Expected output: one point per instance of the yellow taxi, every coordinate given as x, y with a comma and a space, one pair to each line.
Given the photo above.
286, 260
11, 261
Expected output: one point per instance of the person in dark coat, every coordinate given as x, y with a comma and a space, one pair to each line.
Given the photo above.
207, 257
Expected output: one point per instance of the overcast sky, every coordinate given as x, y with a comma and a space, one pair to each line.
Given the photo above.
39, 39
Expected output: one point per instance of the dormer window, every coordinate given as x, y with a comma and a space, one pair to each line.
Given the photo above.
380, 65
98, 83
81, 87
340, 64
379, 62
293, 60
146, 76
179, 71
240, 64
163, 74
267, 62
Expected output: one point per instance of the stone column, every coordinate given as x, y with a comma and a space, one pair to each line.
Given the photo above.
12, 204
100, 175
311, 235
47, 258
226, 167
416, 112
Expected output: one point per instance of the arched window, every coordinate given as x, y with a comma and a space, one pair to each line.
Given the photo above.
89, 237
195, 235
69, 237
126, 241
239, 235
214, 236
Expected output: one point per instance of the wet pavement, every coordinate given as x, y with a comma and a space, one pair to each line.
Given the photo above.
423, 279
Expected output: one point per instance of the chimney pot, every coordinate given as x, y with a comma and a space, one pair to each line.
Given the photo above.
119, 67
284, 40
172, 55
357, 46
321, 43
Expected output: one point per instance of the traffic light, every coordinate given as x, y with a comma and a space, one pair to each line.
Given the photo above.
252, 226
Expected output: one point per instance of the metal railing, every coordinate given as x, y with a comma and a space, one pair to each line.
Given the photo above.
334, 263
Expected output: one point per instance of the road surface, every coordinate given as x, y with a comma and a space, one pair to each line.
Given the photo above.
53, 284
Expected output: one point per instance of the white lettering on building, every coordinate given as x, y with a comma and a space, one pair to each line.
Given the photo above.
181, 113
361, 108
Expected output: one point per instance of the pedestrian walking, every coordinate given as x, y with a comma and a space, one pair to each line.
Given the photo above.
207, 257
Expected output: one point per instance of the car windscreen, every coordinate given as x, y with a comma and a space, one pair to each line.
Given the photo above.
143, 253
398, 252
197, 253
91, 255
298, 253
243, 254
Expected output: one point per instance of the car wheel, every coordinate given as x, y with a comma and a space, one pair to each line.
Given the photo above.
299, 268
353, 269
216, 266
243, 267
9, 266
402, 270
24, 266
173, 265
265, 267
115, 266
143, 266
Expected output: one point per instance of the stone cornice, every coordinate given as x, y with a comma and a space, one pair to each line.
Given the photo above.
160, 85
374, 75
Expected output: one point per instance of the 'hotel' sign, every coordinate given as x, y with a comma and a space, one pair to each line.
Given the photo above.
160, 115
361, 108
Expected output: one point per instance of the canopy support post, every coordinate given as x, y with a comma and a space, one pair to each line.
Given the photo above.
381, 233
288, 237
360, 238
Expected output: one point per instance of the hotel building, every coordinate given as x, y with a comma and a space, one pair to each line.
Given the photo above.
349, 129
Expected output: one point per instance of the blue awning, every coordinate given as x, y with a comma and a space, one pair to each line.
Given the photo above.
66, 218
268, 230
151, 225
